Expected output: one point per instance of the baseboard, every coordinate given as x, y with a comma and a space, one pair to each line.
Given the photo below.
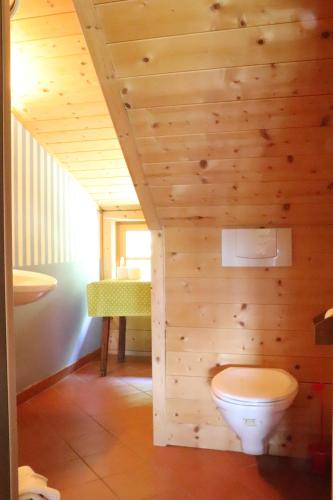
144, 354
35, 389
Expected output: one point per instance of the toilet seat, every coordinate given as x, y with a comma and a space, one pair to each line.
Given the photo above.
254, 386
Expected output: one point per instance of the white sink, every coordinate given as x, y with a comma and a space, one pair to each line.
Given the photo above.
29, 287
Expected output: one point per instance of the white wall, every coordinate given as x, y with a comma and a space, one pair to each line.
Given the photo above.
56, 231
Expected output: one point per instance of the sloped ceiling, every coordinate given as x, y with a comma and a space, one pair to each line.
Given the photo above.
57, 96
223, 109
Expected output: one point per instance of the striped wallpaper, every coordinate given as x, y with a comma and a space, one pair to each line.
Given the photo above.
54, 219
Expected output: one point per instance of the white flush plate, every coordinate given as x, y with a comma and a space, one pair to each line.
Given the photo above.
258, 247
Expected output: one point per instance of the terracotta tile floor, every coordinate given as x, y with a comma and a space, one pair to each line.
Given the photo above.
92, 437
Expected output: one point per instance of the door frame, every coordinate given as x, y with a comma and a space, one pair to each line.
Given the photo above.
8, 434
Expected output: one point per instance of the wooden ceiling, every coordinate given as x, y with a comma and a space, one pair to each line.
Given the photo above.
57, 96
224, 109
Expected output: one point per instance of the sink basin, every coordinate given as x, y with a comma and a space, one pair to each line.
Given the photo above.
29, 287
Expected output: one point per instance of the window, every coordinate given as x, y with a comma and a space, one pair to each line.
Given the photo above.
134, 247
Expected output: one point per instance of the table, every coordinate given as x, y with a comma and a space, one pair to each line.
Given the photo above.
109, 298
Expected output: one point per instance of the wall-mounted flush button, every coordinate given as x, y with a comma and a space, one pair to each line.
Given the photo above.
259, 247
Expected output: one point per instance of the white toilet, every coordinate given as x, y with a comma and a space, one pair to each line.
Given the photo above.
252, 401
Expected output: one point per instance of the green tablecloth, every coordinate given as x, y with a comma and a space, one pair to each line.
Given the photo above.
118, 298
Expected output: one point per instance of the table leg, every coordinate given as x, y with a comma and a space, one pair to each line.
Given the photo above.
122, 339
107, 321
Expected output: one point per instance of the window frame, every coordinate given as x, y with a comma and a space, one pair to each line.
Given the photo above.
121, 228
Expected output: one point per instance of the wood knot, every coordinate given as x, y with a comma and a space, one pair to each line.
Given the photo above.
145, 59
325, 34
290, 158
265, 134
260, 41
278, 339
203, 163
124, 90
215, 6
286, 206
243, 307
127, 105
196, 429
297, 367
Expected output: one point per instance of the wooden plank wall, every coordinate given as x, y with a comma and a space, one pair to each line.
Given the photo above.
230, 109
244, 316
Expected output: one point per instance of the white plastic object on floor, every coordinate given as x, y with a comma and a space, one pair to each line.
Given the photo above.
33, 486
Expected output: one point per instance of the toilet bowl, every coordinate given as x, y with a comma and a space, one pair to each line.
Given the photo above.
253, 401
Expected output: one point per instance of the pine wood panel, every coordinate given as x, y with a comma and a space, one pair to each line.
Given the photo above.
243, 144
105, 70
308, 240
95, 174
63, 105
70, 126
204, 334
82, 156
266, 44
37, 8
97, 145
108, 182
249, 291
253, 317
133, 20
244, 193
92, 165
138, 336
93, 134
305, 264
190, 411
235, 341
38, 111
284, 168
198, 388
230, 112
229, 84
131, 213
60, 46
158, 339
247, 215
196, 252
220, 438
304, 369
232, 116
48, 26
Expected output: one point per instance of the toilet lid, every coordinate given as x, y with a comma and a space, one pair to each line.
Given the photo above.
253, 385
